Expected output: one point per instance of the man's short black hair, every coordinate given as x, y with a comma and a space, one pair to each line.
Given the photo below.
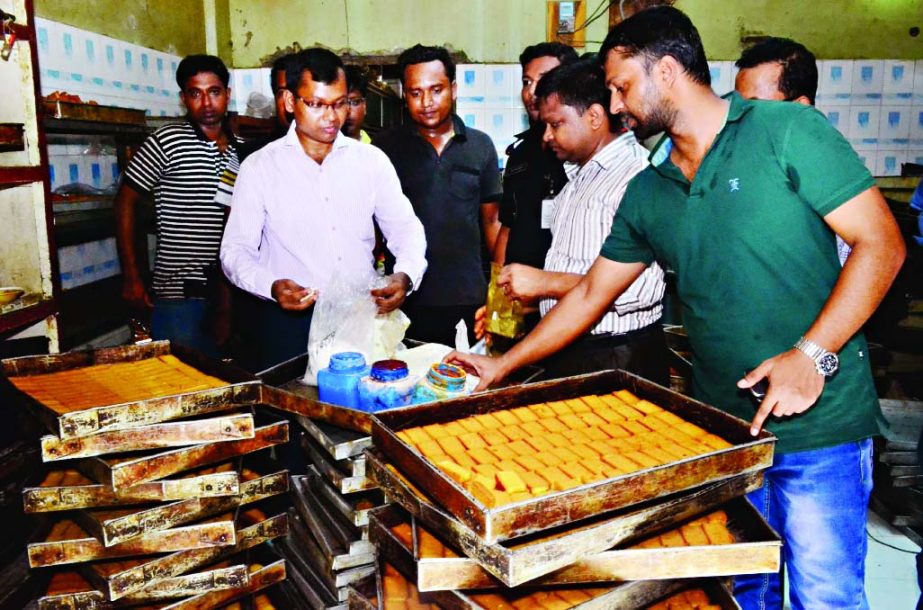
579, 85
279, 65
656, 32
418, 54
799, 66
324, 65
356, 80
560, 51
196, 64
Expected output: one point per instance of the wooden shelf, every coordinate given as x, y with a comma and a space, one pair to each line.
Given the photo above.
27, 316
17, 176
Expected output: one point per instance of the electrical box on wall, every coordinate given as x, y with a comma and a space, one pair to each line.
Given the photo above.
566, 22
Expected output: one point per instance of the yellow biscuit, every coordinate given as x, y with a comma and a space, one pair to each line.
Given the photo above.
450, 444
534, 428
472, 440
510, 481
520, 448
529, 463
482, 456
557, 440
462, 475
471, 424
658, 454
417, 435
717, 533
503, 452
565, 454
538, 443
508, 464
615, 430
694, 535
541, 410
560, 407
636, 427
672, 538
669, 417
577, 471
596, 434
552, 424
585, 451
535, 482
430, 449
430, 546
572, 421
514, 433
486, 469
453, 428
464, 460
623, 463
578, 405
646, 407
493, 437
626, 396
489, 421
594, 465
519, 496
691, 430
489, 496
506, 418
524, 414
435, 431
715, 442
549, 459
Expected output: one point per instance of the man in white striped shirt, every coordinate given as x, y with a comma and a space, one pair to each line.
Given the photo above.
599, 163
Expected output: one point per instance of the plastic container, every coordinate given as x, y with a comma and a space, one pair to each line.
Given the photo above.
504, 315
338, 383
387, 386
442, 382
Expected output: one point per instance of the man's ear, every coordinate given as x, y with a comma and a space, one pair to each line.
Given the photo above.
599, 118
667, 70
289, 99
803, 99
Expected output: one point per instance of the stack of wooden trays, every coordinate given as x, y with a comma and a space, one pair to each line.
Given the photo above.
898, 493
626, 539
328, 547
161, 496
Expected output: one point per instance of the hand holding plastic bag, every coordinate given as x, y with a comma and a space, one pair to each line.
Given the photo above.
346, 319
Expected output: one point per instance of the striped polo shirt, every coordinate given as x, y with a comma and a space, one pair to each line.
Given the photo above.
182, 168
582, 220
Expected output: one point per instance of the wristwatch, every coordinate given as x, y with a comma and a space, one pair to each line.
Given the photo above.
825, 362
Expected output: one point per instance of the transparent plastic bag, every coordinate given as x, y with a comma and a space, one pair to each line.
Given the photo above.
346, 319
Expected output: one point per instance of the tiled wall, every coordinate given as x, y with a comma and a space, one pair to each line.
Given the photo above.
876, 104
106, 70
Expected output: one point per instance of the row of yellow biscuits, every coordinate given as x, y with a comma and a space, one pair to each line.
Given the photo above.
106, 384
710, 529
399, 593
693, 599
71, 478
512, 455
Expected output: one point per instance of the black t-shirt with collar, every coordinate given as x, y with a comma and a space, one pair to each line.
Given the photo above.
531, 175
447, 192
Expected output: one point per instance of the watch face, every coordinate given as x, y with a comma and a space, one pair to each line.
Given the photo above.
828, 364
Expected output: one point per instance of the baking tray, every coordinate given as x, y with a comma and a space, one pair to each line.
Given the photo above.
69, 543
307, 583
747, 454
119, 579
514, 564
346, 476
367, 595
50, 496
308, 555
339, 443
242, 387
285, 392
261, 577
117, 526
56, 109
340, 542
74, 592
757, 550
132, 469
354, 507
154, 436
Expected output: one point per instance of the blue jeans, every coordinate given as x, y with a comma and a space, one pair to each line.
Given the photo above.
182, 321
818, 502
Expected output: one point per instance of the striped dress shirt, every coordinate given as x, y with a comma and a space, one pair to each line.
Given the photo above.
582, 220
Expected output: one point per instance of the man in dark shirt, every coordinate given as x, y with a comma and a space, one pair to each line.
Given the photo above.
451, 176
533, 174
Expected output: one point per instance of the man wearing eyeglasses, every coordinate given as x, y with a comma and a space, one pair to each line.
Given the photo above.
303, 209
357, 87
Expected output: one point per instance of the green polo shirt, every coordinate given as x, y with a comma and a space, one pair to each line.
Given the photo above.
754, 260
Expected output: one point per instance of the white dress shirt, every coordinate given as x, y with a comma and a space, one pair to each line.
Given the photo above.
294, 218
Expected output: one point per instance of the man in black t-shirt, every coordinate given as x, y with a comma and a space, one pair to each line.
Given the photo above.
451, 176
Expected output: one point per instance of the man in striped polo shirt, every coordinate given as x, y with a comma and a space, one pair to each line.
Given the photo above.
599, 163
180, 165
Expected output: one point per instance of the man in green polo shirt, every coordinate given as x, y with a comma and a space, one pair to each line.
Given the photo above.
743, 200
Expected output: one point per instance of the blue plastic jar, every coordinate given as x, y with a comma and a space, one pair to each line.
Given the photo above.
442, 382
387, 386
338, 383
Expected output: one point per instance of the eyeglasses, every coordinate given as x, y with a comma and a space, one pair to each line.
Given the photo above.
319, 107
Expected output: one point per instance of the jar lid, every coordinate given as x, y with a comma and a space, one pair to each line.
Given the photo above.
347, 362
389, 370
447, 376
